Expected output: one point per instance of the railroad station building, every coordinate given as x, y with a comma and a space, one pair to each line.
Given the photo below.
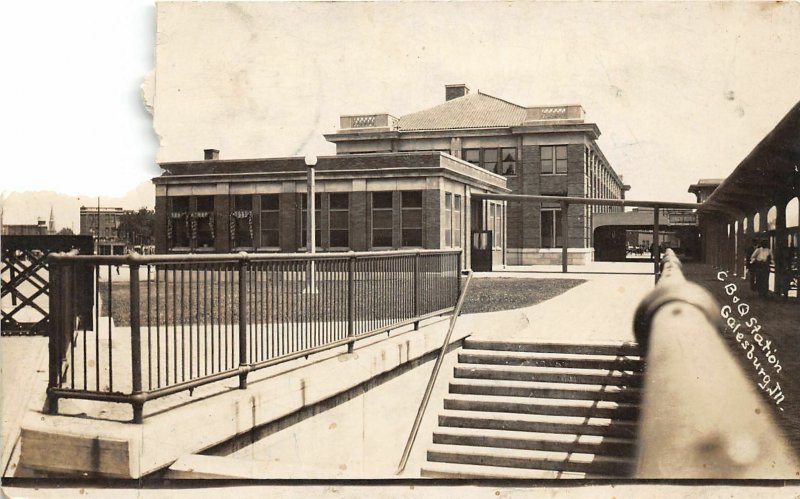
405, 183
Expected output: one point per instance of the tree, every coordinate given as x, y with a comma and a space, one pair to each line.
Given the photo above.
136, 228
66, 231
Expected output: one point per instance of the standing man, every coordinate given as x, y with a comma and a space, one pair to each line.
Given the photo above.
760, 261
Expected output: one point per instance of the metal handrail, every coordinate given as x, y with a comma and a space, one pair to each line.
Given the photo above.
432, 381
137, 259
701, 416
266, 340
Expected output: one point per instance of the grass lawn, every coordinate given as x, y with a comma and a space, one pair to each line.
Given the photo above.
492, 294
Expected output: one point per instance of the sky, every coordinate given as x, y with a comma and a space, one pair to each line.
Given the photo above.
680, 91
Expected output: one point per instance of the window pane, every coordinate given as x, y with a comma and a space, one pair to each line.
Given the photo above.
473, 156
340, 201
412, 237
489, 155
448, 200
269, 220
270, 238
339, 238
270, 202
561, 166
457, 201
205, 203
382, 199
547, 166
382, 237
339, 219
243, 202
547, 152
382, 219
547, 229
180, 204
561, 152
412, 199
412, 218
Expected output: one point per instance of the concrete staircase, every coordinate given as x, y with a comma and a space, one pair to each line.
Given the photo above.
539, 410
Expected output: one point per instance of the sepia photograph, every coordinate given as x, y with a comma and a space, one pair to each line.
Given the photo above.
396, 248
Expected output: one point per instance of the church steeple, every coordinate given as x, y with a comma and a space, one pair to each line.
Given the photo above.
51, 225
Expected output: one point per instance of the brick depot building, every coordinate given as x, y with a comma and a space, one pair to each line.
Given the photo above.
375, 201
403, 183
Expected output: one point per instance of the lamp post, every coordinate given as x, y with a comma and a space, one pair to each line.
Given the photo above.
311, 163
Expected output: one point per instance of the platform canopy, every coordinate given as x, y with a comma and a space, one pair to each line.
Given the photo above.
767, 176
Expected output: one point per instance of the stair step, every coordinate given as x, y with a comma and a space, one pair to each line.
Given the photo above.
511, 388
607, 362
555, 442
595, 348
530, 459
451, 470
538, 423
556, 407
552, 374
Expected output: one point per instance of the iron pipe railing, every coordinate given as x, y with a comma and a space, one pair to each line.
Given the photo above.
700, 417
423, 405
175, 322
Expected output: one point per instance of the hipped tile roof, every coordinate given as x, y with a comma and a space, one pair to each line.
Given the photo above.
470, 111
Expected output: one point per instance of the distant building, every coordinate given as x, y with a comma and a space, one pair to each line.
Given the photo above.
37, 229
103, 224
704, 188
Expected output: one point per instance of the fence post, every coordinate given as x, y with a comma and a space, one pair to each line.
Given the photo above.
243, 367
351, 303
416, 290
53, 350
136, 342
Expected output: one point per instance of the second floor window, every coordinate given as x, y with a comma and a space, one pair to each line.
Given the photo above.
501, 160
554, 159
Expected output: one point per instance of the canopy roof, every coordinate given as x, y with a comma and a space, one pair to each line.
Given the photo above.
767, 176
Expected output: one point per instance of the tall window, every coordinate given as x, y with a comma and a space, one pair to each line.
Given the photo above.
203, 222
411, 218
178, 222
552, 236
339, 220
448, 220
502, 160
382, 219
498, 226
457, 221
270, 220
554, 159
241, 223
317, 220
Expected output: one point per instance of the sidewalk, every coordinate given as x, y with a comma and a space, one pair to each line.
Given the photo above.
600, 309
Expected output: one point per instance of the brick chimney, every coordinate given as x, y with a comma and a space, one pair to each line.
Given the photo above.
209, 154
455, 91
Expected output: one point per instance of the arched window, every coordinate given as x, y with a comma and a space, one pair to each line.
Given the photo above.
744, 224
757, 223
792, 212
772, 218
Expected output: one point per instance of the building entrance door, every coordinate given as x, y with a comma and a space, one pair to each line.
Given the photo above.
482, 251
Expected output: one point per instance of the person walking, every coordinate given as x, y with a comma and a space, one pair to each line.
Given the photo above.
751, 275
760, 261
